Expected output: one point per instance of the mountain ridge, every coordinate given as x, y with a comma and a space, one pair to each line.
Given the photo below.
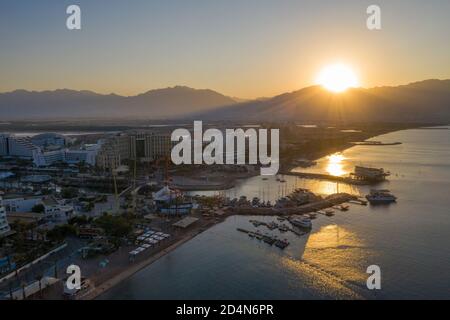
419, 101
67, 103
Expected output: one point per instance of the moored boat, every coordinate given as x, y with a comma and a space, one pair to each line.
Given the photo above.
380, 197
302, 222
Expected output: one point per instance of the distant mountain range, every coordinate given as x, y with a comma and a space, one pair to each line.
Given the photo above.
425, 101
172, 102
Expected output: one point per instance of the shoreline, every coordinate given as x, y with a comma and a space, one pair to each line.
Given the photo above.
135, 268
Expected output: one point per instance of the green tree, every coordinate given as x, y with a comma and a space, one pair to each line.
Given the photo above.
115, 226
38, 208
69, 193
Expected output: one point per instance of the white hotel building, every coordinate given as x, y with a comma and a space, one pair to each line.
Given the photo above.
24, 148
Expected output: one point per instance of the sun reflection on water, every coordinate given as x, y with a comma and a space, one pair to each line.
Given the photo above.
335, 165
334, 262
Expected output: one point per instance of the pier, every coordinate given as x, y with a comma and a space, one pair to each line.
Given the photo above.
329, 177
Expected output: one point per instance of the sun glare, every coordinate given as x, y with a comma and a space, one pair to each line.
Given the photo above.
337, 78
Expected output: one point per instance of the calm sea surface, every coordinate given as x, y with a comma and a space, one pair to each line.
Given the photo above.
409, 241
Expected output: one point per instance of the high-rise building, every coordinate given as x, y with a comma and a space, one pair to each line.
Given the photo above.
4, 225
4, 147
149, 146
21, 147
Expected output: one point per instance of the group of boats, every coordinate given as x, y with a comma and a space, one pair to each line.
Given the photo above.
271, 240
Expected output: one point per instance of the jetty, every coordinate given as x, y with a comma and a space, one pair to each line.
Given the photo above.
283, 228
328, 202
329, 177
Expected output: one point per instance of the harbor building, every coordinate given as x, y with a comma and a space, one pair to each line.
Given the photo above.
369, 174
172, 202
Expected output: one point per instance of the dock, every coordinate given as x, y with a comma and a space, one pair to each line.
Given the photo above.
257, 223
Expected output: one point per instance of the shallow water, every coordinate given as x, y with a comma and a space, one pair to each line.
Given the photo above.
409, 240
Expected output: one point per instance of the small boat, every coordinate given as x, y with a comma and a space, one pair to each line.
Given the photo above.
329, 212
281, 219
269, 240
272, 225
283, 228
265, 179
302, 222
282, 243
342, 207
251, 234
380, 197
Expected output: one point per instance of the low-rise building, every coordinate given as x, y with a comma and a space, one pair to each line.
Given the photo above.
21, 203
57, 212
87, 154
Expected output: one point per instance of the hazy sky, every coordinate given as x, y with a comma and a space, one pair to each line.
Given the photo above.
245, 48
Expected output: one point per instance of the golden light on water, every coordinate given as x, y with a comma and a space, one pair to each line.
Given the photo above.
335, 165
332, 262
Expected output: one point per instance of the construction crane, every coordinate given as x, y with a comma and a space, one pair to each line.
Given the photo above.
116, 194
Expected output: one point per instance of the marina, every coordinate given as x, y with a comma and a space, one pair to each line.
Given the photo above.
336, 250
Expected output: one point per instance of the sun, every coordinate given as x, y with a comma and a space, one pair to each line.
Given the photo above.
337, 78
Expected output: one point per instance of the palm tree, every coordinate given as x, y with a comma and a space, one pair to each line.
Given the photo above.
39, 277
23, 284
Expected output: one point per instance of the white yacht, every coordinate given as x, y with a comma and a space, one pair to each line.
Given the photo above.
380, 196
302, 222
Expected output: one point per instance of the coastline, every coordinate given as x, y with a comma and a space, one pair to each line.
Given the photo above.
133, 269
